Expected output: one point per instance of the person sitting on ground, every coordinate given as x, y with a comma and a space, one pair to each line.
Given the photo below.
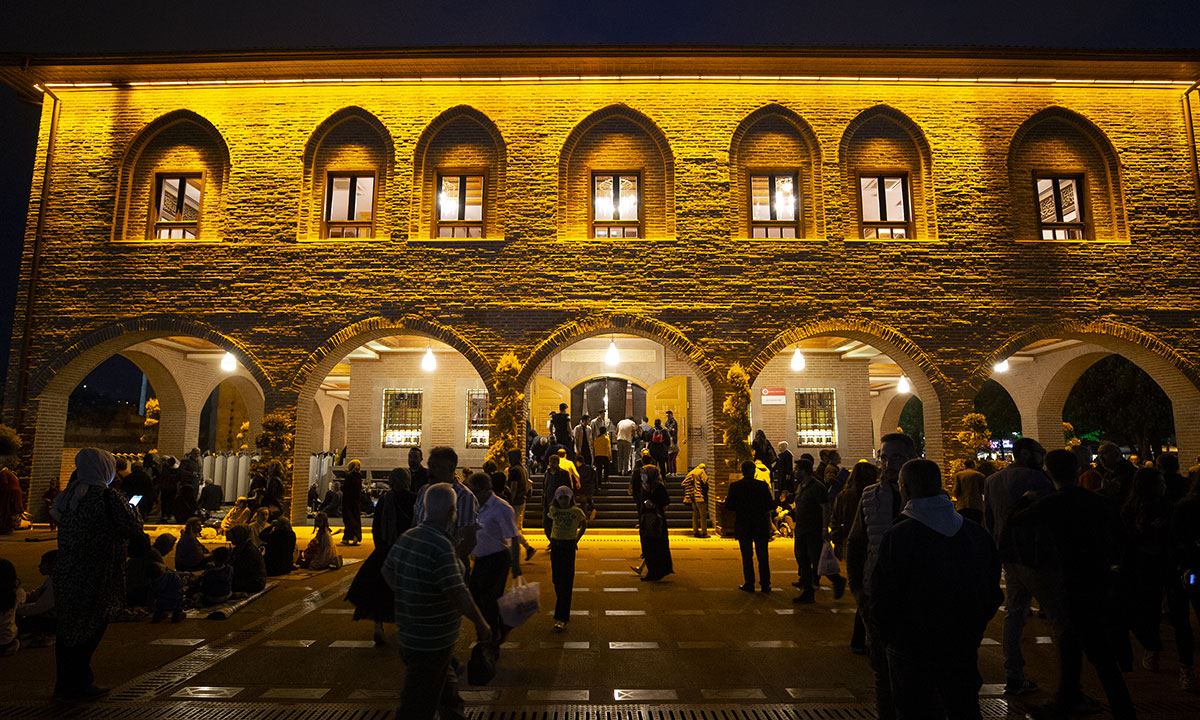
166, 595
190, 554
216, 584
279, 541
11, 596
211, 496
262, 521
141, 569
249, 569
319, 554
783, 517
164, 544
36, 618
239, 514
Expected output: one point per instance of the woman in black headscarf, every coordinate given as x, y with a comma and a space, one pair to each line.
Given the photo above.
371, 595
351, 510
94, 527
652, 527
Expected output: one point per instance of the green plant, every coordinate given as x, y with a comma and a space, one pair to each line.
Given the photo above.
277, 441
149, 438
505, 410
737, 413
10, 442
975, 434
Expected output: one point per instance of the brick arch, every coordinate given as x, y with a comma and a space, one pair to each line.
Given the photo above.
172, 424
495, 184
1178, 377
921, 188
581, 131
129, 183
1098, 159
53, 383
74, 362
812, 212
320, 361
313, 187
927, 380
591, 326
252, 394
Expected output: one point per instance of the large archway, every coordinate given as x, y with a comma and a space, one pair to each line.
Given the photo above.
1039, 368
376, 380
856, 379
182, 360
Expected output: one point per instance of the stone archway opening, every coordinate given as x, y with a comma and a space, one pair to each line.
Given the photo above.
379, 394
1105, 388
842, 393
177, 372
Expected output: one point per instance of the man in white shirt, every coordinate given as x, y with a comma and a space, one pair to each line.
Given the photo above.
625, 430
495, 553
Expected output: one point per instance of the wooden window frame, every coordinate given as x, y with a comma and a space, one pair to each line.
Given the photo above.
593, 223
752, 224
1084, 224
461, 173
327, 204
905, 176
156, 195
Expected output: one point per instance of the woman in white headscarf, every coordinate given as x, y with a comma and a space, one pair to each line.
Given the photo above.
94, 527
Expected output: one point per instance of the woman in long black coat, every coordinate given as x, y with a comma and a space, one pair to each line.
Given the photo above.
371, 595
656, 549
351, 510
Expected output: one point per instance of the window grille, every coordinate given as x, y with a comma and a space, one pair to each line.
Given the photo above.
816, 421
401, 417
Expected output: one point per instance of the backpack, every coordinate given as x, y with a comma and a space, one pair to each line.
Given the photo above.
656, 437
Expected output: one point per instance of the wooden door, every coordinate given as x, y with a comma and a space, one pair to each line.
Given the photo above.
546, 396
671, 394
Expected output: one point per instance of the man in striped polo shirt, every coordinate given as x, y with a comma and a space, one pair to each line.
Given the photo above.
424, 571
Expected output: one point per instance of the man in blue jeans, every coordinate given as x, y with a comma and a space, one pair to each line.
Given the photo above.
424, 571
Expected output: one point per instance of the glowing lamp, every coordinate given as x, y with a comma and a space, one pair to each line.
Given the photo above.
612, 356
429, 362
228, 363
798, 360
1001, 367
903, 387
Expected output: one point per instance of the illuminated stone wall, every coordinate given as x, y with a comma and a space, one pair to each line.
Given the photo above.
953, 297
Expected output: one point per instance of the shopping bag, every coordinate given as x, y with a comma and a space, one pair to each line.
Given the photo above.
481, 668
520, 603
828, 564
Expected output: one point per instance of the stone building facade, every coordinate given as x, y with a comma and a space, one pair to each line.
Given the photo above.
968, 273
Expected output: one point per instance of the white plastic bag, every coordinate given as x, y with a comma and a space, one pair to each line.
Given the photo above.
521, 602
828, 564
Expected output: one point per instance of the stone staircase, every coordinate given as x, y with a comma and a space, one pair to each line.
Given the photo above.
614, 508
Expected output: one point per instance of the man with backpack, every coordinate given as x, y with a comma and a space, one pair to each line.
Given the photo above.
659, 445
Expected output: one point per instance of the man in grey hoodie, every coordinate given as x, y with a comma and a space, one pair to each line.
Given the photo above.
935, 586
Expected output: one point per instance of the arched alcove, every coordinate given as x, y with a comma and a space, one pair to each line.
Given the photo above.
349, 161
883, 145
460, 148
772, 144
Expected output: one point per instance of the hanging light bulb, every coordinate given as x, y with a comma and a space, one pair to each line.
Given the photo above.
903, 387
798, 360
228, 362
612, 356
1001, 367
429, 362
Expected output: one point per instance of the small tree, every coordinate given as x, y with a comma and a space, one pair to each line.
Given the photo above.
277, 441
975, 434
737, 413
10, 442
1070, 439
241, 436
149, 438
505, 410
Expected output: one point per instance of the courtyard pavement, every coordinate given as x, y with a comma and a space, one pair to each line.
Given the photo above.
694, 641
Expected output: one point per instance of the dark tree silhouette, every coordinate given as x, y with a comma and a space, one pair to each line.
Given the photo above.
1116, 400
994, 403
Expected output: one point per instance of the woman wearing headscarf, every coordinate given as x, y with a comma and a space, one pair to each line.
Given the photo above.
351, 510
279, 547
371, 595
319, 553
652, 527
12, 502
94, 527
249, 569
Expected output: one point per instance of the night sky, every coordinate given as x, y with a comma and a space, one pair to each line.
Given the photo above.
33, 27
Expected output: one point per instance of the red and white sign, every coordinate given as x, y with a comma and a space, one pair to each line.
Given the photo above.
774, 396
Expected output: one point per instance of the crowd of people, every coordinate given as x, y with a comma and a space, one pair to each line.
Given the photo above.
1101, 548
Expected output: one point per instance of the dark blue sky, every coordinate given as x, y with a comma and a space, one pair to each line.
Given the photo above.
71, 27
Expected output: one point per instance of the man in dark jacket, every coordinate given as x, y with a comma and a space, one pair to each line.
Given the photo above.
935, 586
783, 472
560, 428
750, 500
1069, 539
136, 482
